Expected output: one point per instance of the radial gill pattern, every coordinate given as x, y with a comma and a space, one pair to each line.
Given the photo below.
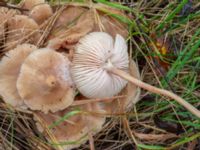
94, 56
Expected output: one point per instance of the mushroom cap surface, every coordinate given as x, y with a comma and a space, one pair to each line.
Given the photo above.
5, 14
44, 82
93, 55
73, 130
41, 13
9, 70
21, 28
29, 4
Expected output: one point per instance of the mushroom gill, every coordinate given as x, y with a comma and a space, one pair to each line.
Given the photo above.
44, 82
91, 59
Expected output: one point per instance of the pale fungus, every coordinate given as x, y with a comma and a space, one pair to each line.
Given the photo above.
41, 13
100, 69
21, 28
9, 70
44, 82
75, 129
29, 4
5, 14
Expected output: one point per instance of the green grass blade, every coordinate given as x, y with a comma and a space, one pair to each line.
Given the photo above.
183, 57
115, 5
65, 117
150, 147
172, 15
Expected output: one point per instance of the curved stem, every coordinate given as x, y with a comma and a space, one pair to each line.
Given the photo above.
156, 90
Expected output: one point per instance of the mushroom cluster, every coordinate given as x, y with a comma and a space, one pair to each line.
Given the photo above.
39, 78
77, 76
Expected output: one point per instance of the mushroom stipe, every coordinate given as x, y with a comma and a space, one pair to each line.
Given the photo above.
97, 64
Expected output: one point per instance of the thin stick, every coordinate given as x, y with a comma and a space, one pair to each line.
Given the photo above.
156, 90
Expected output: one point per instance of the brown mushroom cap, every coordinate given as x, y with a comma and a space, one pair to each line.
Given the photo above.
29, 4
44, 81
41, 12
9, 71
21, 28
5, 14
74, 130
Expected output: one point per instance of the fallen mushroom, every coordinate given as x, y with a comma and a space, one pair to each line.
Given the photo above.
44, 82
41, 12
100, 69
72, 131
9, 70
21, 28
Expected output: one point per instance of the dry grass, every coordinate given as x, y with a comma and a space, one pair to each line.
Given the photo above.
155, 122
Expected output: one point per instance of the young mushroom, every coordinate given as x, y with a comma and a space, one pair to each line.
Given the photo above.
100, 69
44, 82
29, 4
9, 70
41, 13
21, 28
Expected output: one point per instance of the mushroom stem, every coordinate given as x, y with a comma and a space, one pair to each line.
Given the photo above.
156, 90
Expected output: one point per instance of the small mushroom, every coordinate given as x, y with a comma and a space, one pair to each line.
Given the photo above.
9, 70
29, 4
100, 69
41, 12
21, 28
44, 82
73, 131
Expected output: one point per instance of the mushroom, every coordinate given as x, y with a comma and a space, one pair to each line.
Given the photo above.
41, 12
100, 69
9, 70
72, 131
44, 82
5, 14
29, 4
21, 28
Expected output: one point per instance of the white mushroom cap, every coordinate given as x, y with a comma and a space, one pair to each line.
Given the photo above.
9, 71
44, 81
74, 130
21, 28
94, 53
41, 13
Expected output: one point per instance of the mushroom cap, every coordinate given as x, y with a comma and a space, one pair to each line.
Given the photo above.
93, 54
5, 14
20, 29
41, 12
29, 4
74, 129
44, 82
9, 70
